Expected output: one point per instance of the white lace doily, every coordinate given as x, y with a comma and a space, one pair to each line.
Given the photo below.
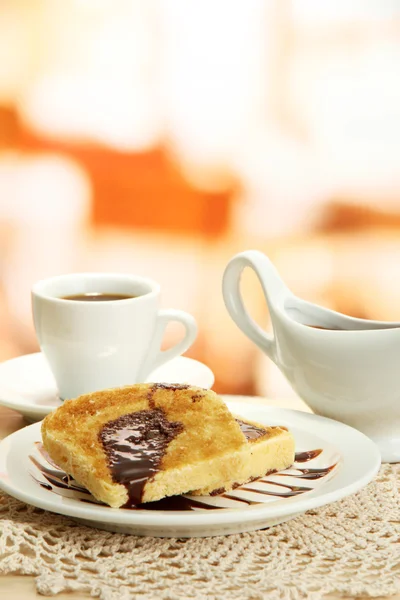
351, 547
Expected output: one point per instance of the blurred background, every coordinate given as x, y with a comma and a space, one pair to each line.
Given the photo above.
162, 137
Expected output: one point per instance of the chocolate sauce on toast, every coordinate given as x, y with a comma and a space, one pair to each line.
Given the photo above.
135, 445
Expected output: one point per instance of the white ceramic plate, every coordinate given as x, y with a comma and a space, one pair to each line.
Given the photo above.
348, 461
27, 384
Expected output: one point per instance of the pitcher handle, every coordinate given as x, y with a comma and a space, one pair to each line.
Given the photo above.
274, 291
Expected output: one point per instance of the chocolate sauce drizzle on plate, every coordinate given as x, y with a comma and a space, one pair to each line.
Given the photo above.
306, 456
174, 503
56, 481
55, 477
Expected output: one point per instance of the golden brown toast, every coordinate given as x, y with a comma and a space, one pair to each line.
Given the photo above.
268, 449
144, 442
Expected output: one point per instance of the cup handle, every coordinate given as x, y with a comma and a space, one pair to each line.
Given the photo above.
156, 356
273, 287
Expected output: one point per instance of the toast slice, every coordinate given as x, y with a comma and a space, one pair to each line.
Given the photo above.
144, 442
267, 450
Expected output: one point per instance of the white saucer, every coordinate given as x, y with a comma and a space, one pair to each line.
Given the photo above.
348, 461
27, 384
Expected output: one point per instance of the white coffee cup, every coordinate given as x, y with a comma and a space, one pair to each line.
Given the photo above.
343, 368
97, 345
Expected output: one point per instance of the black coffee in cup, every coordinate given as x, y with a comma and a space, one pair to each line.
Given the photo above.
97, 297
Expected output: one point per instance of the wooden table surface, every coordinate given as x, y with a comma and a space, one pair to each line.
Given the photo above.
21, 587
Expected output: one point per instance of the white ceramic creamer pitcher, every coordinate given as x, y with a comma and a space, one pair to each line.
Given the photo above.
344, 368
